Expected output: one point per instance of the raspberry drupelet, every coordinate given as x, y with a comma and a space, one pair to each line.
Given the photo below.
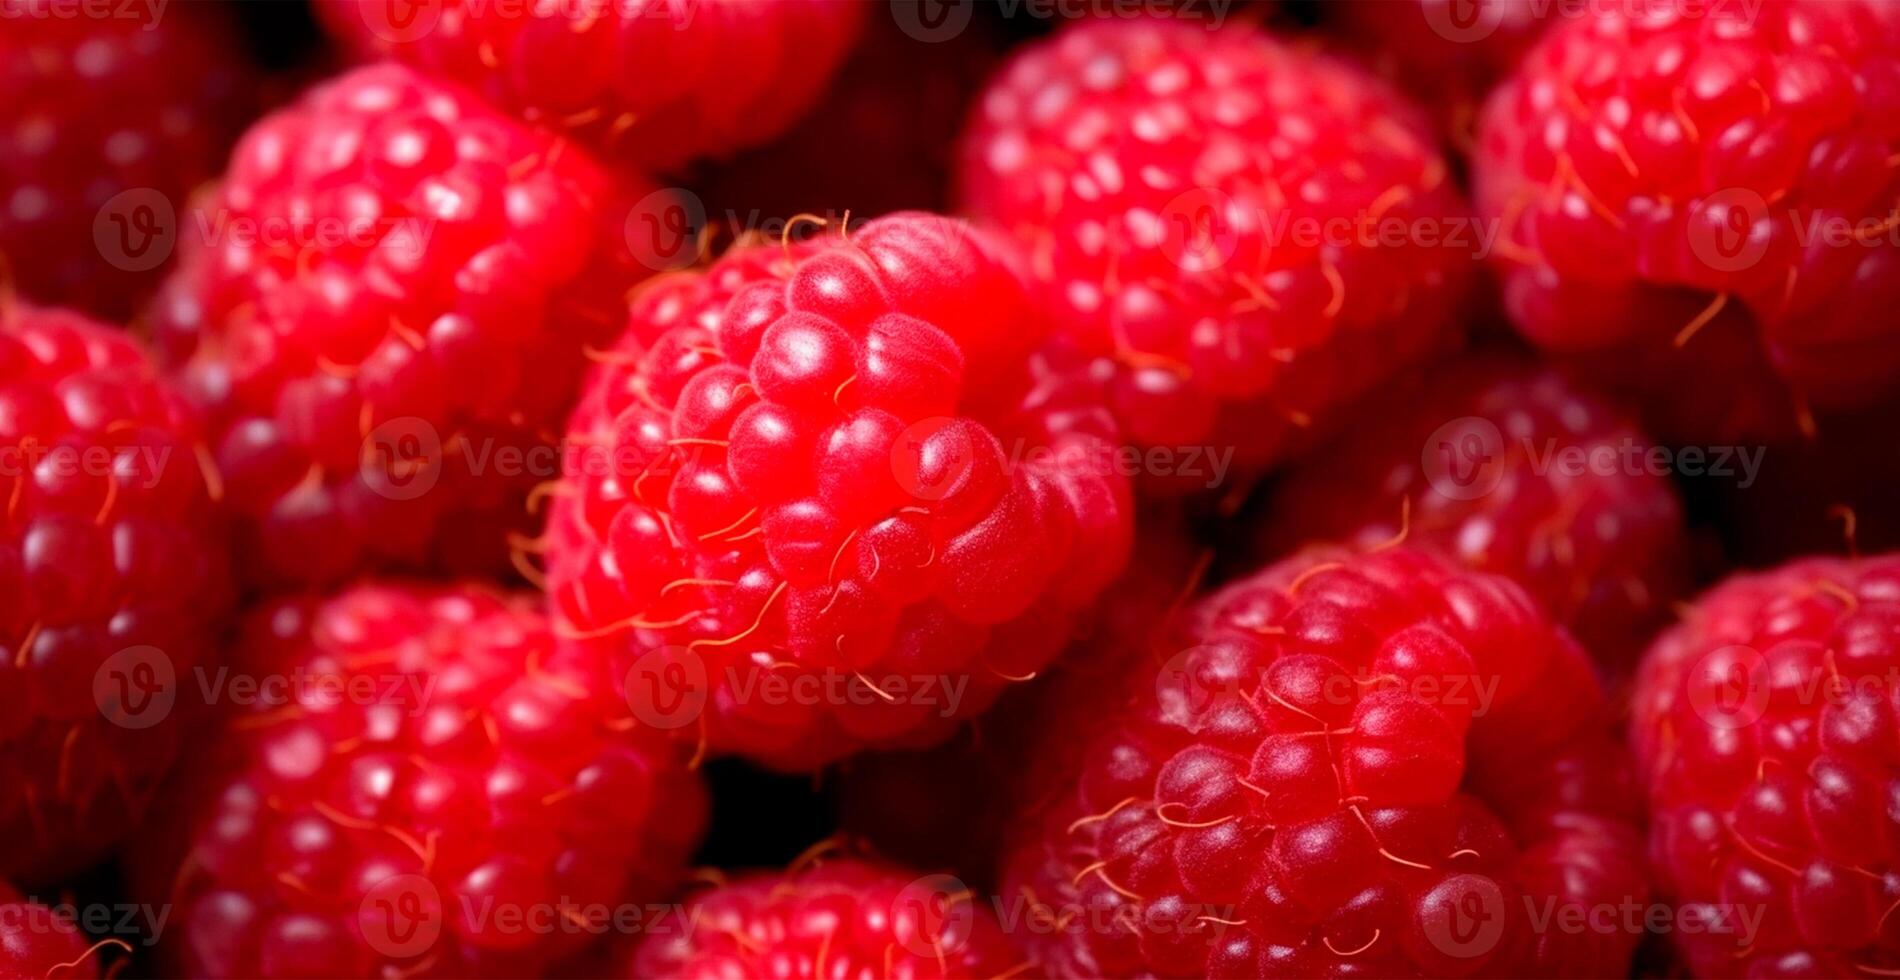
425, 781
1379, 764
1711, 189
657, 83
114, 585
838, 917
1512, 469
1230, 230
1764, 730
108, 124
831, 495
383, 307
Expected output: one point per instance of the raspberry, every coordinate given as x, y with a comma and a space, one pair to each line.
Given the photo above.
1203, 209
1455, 49
1763, 727
108, 124
427, 780
846, 917
656, 82
385, 305
112, 566
36, 943
1513, 470
1378, 764
814, 473
1662, 175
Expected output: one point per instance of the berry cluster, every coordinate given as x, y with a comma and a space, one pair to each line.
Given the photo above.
1185, 491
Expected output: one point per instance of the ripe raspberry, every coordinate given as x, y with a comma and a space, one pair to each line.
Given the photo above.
658, 83
1656, 168
36, 944
817, 473
1203, 210
386, 298
112, 566
427, 781
1764, 728
1377, 764
1508, 467
840, 918
1457, 50
108, 124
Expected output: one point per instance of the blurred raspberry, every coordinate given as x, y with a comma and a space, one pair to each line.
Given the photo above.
1376, 764
1457, 50
1208, 212
108, 124
383, 307
1764, 729
844, 917
658, 83
830, 498
425, 780
113, 586
1712, 189
1509, 468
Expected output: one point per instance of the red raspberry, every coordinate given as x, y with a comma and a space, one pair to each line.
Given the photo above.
108, 124
1508, 467
1457, 50
36, 944
1378, 764
812, 474
112, 573
387, 297
656, 82
1764, 727
1203, 209
1657, 167
840, 918
426, 781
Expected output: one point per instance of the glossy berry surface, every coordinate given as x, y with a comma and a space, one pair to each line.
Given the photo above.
1711, 188
384, 306
1512, 469
846, 917
659, 83
108, 124
1377, 764
422, 780
1764, 731
112, 572
35, 943
829, 498
1202, 207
